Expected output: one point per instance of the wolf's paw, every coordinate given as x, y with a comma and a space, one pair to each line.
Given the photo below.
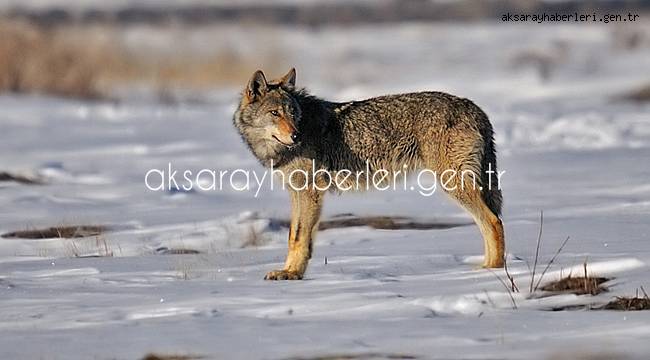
495, 264
282, 275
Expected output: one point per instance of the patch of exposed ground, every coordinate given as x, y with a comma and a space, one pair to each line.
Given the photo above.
628, 304
361, 356
176, 251
20, 179
377, 222
577, 285
75, 231
625, 303
153, 356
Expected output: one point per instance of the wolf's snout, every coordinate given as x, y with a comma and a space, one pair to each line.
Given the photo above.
287, 139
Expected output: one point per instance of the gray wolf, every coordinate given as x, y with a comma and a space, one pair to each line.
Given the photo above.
289, 129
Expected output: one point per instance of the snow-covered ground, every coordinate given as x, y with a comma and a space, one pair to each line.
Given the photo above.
567, 147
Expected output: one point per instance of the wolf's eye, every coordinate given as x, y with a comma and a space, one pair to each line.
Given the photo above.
275, 113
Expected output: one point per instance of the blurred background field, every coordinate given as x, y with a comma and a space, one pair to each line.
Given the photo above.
174, 50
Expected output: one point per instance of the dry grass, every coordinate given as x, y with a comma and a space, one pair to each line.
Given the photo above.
154, 356
628, 304
74, 231
577, 285
176, 251
584, 285
93, 61
222, 68
385, 223
635, 303
84, 248
184, 270
34, 59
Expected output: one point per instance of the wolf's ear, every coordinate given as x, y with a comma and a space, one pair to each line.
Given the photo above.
289, 80
256, 85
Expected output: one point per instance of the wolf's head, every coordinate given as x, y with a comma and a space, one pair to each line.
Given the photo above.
268, 116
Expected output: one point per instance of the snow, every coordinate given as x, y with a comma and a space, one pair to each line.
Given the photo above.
568, 148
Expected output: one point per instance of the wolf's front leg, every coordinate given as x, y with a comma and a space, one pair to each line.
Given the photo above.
306, 207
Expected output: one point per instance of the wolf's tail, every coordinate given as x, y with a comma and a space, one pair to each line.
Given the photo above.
490, 192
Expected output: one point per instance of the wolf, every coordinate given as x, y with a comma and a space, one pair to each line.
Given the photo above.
300, 135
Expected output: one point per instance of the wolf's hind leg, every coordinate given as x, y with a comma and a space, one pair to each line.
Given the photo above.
489, 224
306, 208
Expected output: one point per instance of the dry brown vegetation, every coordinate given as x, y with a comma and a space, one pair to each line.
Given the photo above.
74, 231
628, 304
93, 61
153, 356
176, 251
577, 285
85, 248
385, 223
255, 237
378, 222
34, 59
18, 178
584, 285
624, 303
